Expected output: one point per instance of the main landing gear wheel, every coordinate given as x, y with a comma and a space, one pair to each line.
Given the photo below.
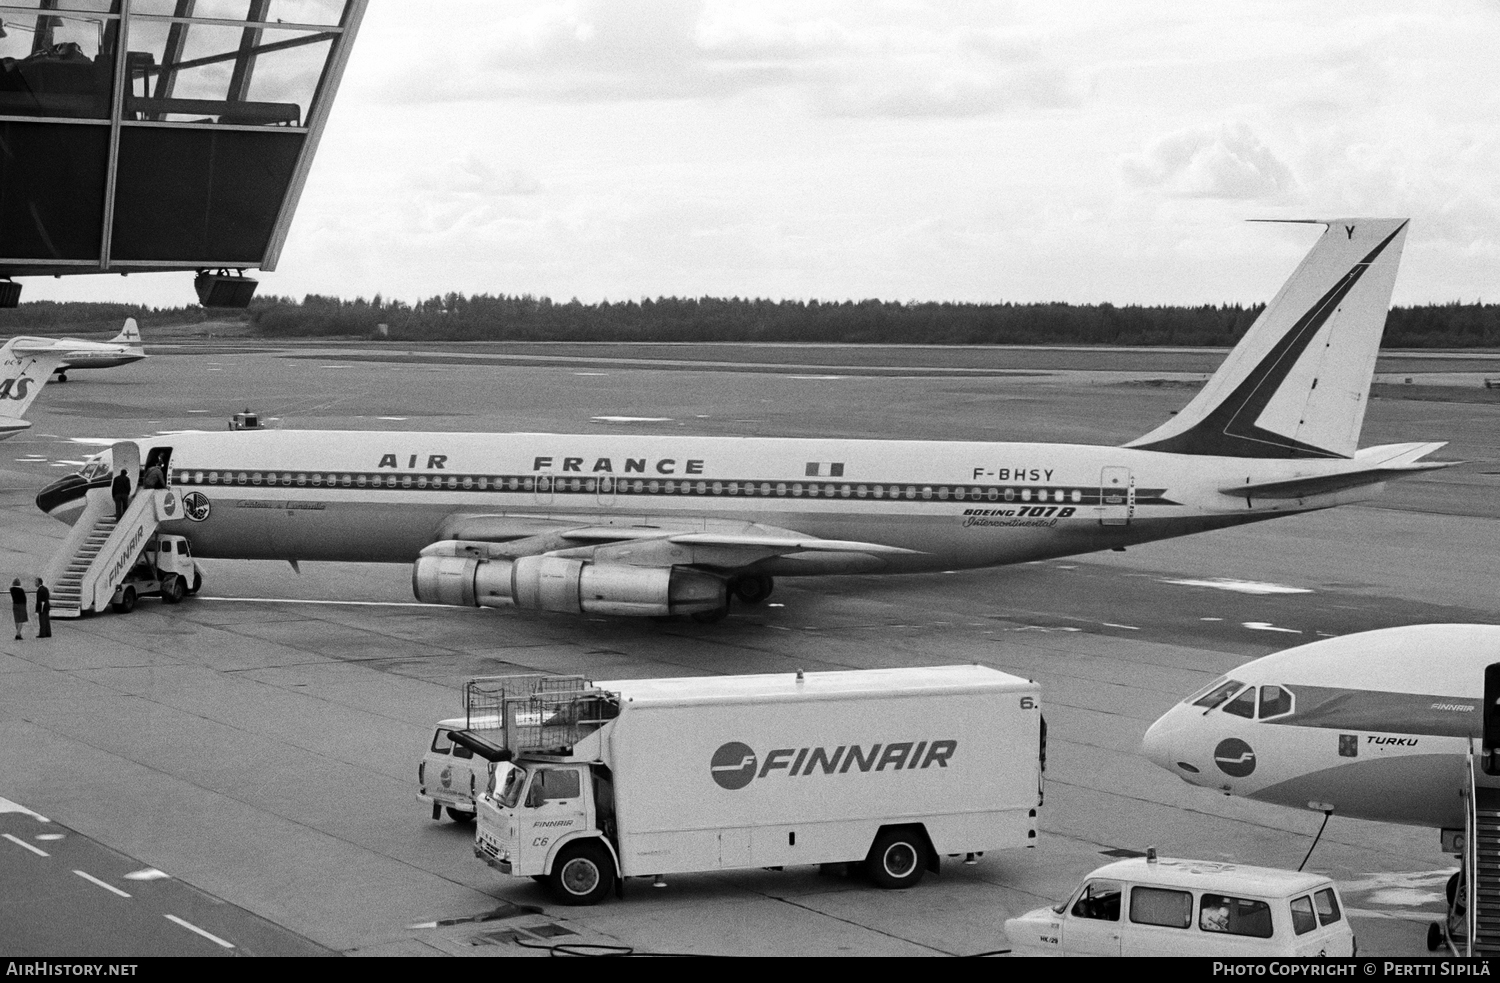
173, 589
459, 816
126, 603
581, 875
752, 588
897, 860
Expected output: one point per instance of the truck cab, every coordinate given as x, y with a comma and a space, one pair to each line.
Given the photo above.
165, 569
539, 815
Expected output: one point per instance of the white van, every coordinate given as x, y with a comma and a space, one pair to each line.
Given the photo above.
455, 769
1151, 907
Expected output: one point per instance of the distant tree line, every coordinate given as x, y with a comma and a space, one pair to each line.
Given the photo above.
455, 317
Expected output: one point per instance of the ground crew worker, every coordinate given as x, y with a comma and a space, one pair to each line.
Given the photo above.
43, 610
153, 478
119, 489
18, 605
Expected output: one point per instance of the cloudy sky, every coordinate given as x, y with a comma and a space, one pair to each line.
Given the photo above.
902, 149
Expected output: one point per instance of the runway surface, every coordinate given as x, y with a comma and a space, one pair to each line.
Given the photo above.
258, 744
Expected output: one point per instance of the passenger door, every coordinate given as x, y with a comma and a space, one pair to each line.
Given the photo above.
1091, 926
1116, 496
555, 807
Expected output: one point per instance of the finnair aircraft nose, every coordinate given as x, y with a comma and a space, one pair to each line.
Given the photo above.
1163, 744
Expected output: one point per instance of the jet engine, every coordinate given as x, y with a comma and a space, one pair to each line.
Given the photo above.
556, 583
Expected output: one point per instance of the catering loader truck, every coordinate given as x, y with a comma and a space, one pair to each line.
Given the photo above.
892, 769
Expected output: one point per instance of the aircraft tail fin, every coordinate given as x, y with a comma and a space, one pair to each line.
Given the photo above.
22, 376
130, 334
1296, 384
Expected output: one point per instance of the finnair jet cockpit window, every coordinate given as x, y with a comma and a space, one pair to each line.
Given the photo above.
1217, 692
1275, 701
1242, 705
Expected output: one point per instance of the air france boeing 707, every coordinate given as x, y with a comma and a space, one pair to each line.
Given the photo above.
641, 525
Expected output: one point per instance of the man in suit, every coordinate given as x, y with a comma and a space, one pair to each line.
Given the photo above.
43, 610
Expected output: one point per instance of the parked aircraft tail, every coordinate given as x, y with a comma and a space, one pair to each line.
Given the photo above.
1297, 383
22, 376
129, 334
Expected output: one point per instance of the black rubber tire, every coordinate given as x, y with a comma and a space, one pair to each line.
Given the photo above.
61, 377
459, 816
898, 859
197, 583
126, 603
582, 874
173, 590
709, 617
1434, 937
752, 588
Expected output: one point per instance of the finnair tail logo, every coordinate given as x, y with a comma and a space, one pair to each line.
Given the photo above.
735, 765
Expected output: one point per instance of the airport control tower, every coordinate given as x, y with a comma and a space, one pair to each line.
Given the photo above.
146, 135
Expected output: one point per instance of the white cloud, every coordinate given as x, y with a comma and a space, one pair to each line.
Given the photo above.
1227, 162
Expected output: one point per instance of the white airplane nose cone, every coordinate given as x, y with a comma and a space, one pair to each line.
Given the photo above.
1163, 746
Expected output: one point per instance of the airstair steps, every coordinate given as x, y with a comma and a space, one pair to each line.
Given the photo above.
1485, 870
96, 551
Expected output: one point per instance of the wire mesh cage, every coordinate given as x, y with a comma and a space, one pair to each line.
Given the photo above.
535, 712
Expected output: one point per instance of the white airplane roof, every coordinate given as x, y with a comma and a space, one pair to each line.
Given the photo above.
1451, 659
1236, 880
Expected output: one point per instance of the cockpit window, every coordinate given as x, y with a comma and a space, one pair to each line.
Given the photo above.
1242, 705
1274, 701
1221, 692
95, 467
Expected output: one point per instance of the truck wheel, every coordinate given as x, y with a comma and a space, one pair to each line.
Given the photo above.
897, 860
1434, 937
173, 589
126, 603
197, 583
459, 816
582, 874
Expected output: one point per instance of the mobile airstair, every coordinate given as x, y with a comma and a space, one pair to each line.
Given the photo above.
99, 552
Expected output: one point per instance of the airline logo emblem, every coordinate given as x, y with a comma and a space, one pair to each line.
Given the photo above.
1234, 757
15, 388
733, 766
195, 506
1348, 745
169, 504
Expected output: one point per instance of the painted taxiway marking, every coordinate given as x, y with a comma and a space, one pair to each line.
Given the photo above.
299, 600
631, 419
94, 880
1110, 624
1405, 916
7, 805
148, 874
22, 843
194, 928
1240, 586
1267, 626
50, 836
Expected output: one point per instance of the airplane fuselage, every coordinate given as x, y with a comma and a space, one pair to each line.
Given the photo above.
383, 497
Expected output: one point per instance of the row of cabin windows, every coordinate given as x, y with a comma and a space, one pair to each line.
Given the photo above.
637, 486
1169, 908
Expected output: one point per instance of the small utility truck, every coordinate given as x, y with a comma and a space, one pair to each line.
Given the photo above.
164, 568
892, 769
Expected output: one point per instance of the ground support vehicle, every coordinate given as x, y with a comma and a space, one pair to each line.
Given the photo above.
888, 768
164, 569
1150, 907
455, 769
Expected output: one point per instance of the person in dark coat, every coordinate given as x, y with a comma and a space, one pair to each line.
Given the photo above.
43, 610
18, 604
119, 489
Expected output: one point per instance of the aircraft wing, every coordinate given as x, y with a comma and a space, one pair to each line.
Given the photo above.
1368, 467
699, 543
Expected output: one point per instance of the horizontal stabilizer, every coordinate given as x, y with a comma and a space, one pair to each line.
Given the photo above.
1370, 467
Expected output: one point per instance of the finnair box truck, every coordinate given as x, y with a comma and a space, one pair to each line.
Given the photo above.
891, 768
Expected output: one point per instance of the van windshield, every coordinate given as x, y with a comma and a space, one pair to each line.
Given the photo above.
510, 791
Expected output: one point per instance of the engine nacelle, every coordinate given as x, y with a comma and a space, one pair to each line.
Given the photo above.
556, 583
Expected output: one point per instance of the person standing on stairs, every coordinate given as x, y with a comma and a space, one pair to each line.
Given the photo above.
119, 489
